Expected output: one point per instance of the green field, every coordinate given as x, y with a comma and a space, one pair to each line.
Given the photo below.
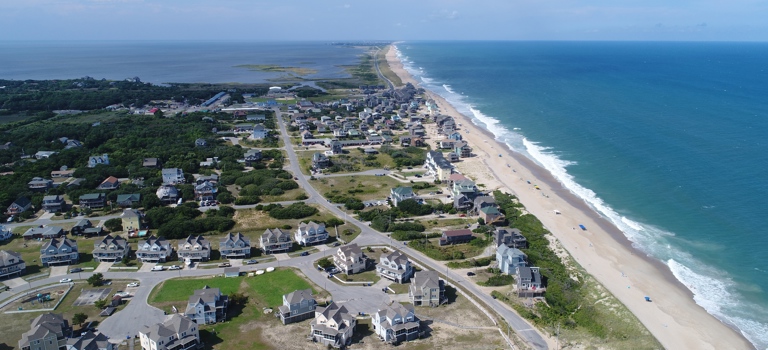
370, 187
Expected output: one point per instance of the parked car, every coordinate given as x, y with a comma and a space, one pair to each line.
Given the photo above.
304, 253
225, 264
65, 280
174, 267
336, 244
157, 268
439, 192
133, 284
251, 262
122, 294
75, 270
417, 175
470, 273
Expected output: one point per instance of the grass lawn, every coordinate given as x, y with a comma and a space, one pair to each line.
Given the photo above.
289, 195
370, 187
447, 224
350, 162
384, 67
181, 289
400, 288
252, 223
437, 252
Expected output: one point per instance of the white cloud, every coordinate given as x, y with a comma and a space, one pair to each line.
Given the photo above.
444, 15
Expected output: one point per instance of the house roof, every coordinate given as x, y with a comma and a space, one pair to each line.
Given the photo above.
426, 280
297, 296
22, 201
457, 233
110, 181
44, 231
92, 196
130, 213
60, 242
490, 210
402, 191
133, 197
88, 341
6, 256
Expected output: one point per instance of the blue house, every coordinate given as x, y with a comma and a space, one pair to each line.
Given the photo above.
509, 259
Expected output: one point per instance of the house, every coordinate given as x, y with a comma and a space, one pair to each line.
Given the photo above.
5, 234
19, 206
48, 332
43, 232
235, 246
456, 237
298, 306
311, 233
481, 202
452, 157
405, 141
464, 193
173, 176
93, 200
110, 183
529, 281
93, 161
177, 332
256, 117
445, 144
63, 173
252, 155
399, 194
259, 132
205, 191
509, 259
131, 220
207, 306
462, 149
90, 341
213, 179
333, 326
456, 136
167, 194
59, 251
320, 161
276, 240
395, 323
370, 151
395, 266
438, 166
38, 184
154, 249
427, 289
54, 203
128, 200
512, 238
80, 227
11, 264
243, 127
336, 147
110, 249
44, 154
201, 143
194, 248
150, 163
350, 259
491, 215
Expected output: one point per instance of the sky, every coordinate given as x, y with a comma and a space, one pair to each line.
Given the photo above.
347, 20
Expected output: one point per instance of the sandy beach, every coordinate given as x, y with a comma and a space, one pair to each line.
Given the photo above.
673, 317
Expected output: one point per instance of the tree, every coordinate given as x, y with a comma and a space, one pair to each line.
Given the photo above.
150, 201
325, 262
79, 318
113, 225
96, 280
101, 303
480, 221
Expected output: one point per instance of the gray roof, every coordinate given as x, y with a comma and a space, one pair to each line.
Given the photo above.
401, 191
397, 257
275, 235
44, 231
92, 196
60, 242
174, 324
426, 280
6, 256
297, 296
234, 238
22, 201
43, 324
89, 341
207, 295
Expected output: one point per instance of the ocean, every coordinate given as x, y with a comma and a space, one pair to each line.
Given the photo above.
669, 141
161, 62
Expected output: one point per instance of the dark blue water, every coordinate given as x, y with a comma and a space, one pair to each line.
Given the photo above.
667, 140
170, 61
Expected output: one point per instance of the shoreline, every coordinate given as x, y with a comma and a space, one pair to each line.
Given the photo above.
603, 250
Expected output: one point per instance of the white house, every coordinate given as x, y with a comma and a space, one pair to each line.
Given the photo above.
396, 323
173, 176
260, 132
399, 194
333, 325
509, 259
311, 233
350, 259
177, 332
395, 266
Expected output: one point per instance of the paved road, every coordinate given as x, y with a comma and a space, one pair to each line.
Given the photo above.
378, 71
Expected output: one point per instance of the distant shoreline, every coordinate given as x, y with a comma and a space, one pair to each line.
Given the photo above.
604, 251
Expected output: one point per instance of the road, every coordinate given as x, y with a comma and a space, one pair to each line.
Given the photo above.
378, 70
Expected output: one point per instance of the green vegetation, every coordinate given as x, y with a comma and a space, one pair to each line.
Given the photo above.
185, 219
385, 69
497, 279
466, 264
181, 289
96, 280
365, 71
451, 252
276, 68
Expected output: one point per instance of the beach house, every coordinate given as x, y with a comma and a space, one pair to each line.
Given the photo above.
333, 325
177, 332
11, 264
350, 259
59, 251
395, 323
110, 183
44, 232
53, 203
173, 176
438, 166
207, 306
298, 306
529, 281
154, 249
194, 248
93, 161
399, 194
511, 237
110, 249
167, 194
48, 331
509, 259
395, 266
93, 200
311, 233
235, 246
275, 241
131, 220
427, 289
18, 206
455, 237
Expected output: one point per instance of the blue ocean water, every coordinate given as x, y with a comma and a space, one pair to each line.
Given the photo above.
667, 140
170, 61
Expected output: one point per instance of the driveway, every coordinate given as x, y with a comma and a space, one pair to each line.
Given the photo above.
59, 270
147, 267
103, 267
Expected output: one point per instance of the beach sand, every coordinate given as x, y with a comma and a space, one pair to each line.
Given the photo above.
672, 317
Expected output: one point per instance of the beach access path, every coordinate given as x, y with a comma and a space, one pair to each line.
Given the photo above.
673, 317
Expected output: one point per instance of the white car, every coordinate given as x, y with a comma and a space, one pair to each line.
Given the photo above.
133, 284
174, 267
65, 280
123, 294
157, 268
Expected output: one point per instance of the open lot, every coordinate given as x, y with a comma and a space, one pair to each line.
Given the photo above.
353, 160
90, 296
365, 187
252, 223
